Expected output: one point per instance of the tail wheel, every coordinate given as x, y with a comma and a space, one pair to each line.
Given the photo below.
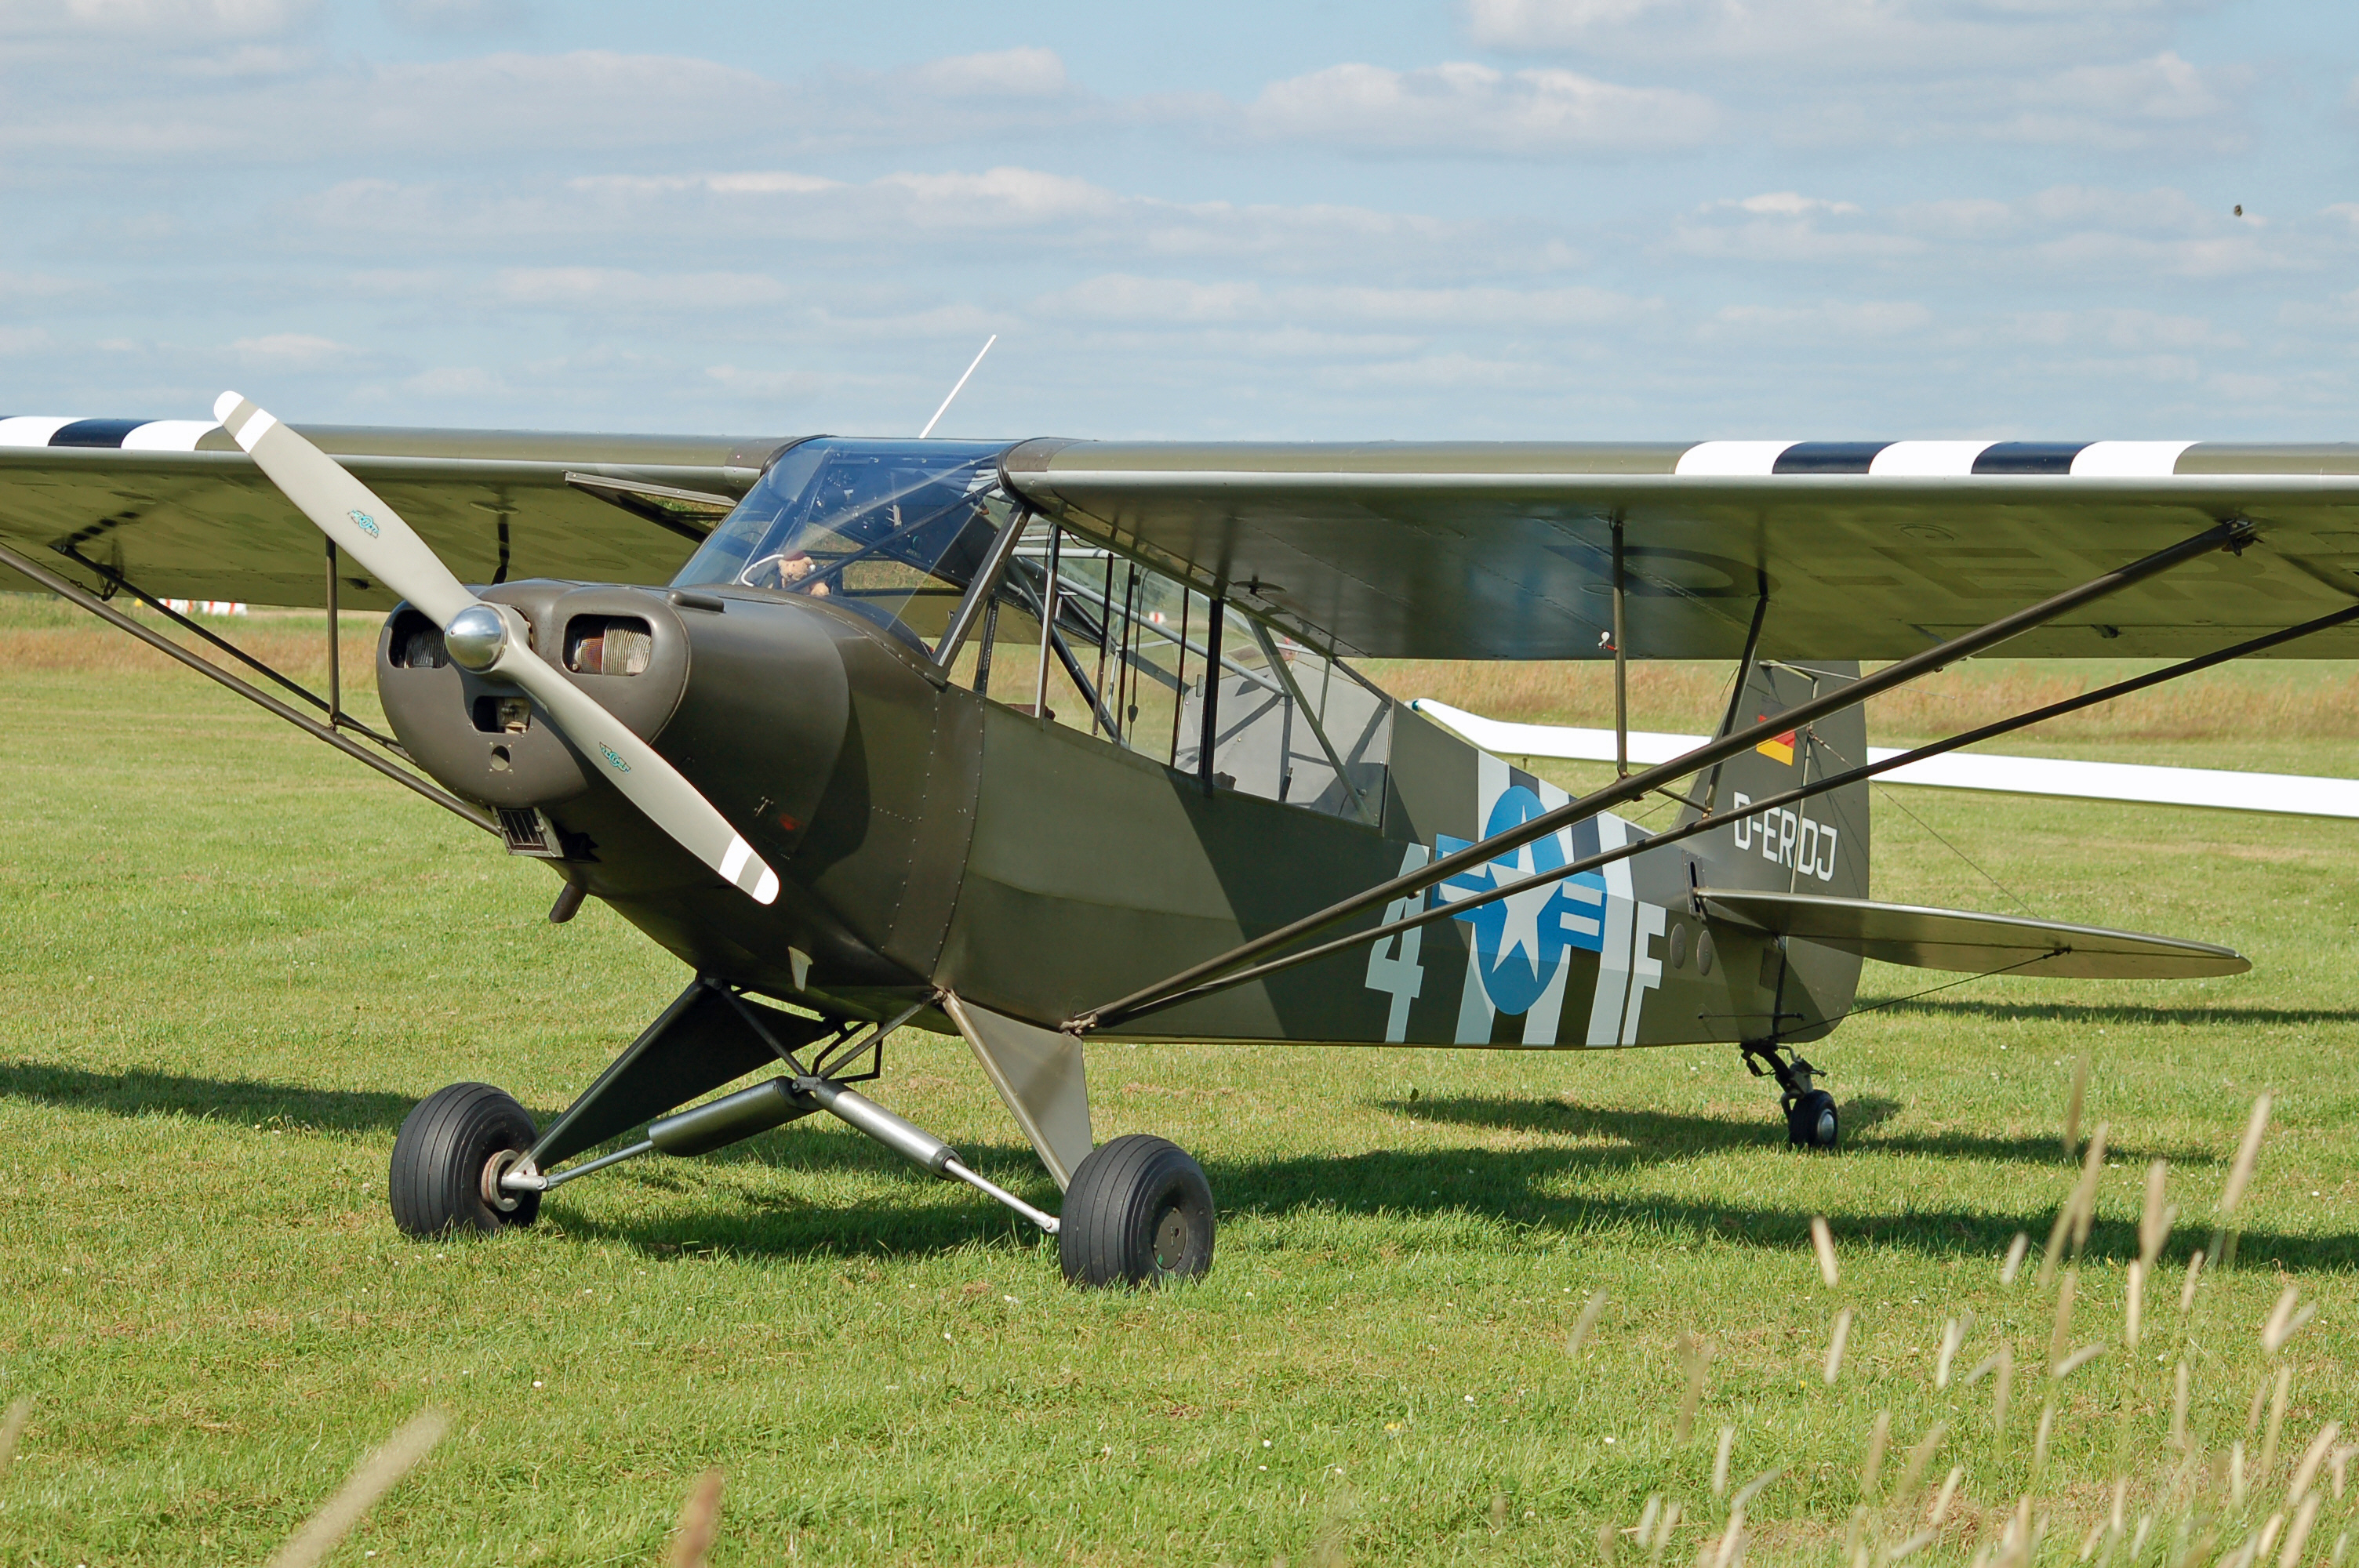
1812, 1121
447, 1162
1139, 1212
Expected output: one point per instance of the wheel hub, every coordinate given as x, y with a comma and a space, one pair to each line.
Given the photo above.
1171, 1239
498, 1165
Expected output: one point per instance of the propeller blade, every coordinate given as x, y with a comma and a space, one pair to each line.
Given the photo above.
346, 510
363, 526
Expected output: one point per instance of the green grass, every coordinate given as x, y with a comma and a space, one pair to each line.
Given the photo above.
235, 960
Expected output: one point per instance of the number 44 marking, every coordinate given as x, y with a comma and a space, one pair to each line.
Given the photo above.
1392, 967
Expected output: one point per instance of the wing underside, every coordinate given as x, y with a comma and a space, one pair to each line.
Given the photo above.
1866, 550
176, 508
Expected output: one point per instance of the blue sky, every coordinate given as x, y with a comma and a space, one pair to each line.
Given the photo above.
1512, 219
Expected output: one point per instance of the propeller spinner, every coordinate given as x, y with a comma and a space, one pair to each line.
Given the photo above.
489, 639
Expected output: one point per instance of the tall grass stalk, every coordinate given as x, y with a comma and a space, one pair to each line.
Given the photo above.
2278, 1396
375, 1475
12, 1428
1695, 1356
700, 1519
1822, 1244
1837, 1341
2240, 1177
2074, 1102
1871, 1469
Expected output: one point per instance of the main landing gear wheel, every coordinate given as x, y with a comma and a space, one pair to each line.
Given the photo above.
448, 1160
1812, 1121
1139, 1212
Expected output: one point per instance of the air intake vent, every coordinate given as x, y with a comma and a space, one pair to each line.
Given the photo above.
527, 832
608, 645
418, 644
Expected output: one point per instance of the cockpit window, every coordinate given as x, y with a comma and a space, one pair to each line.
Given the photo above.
891, 530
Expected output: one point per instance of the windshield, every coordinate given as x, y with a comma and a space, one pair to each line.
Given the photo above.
893, 530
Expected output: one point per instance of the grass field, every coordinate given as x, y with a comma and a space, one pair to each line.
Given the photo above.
235, 960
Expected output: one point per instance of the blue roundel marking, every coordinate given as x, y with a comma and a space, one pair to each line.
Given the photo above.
1520, 943
365, 524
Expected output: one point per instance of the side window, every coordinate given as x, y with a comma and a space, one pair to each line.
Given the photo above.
1134, 654
1127, 641
1293, 725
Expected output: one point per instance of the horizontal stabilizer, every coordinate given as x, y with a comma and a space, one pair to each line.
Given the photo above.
2292, 794
1971, 943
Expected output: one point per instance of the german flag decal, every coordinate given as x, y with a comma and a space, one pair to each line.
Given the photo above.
1780, 750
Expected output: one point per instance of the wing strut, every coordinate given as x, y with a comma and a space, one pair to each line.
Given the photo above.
1689, 829
1230, 968
118, 583
73, 592
1620, 663
1736, 692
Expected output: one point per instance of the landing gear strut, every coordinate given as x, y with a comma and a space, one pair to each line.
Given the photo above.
1811, 1119
1138, 1211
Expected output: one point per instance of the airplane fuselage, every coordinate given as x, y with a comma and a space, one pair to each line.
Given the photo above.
927, 837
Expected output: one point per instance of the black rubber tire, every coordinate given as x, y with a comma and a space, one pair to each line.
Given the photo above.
1139, 1212
436, 1184
1814, 1122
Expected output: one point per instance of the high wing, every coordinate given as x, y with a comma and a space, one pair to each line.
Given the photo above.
1867, 549
177, 508
1443, 550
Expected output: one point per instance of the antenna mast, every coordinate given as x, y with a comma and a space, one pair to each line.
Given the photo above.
955, 390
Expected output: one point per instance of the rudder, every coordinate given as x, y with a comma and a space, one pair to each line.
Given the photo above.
1818, 845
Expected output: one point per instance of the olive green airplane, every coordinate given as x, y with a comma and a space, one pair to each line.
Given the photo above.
1049, 742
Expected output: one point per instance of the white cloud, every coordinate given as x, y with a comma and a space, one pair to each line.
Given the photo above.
1028, 73
1847, 319
150, 19
1790, 204
770, 384
1915, 37
1959, 218
2130, 106
299, 350
281, 104
39, 285
1118, 297
1784, 226
1461, 107
456, 15
1901, 73
2160, 210
996, 197
1006, 215
1122, 296
617, 288
2099, 253
2128, 330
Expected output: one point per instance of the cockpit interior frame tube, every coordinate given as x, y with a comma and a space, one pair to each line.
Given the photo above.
986, 583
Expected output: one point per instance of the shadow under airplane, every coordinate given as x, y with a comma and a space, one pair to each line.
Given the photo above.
1541, 1188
